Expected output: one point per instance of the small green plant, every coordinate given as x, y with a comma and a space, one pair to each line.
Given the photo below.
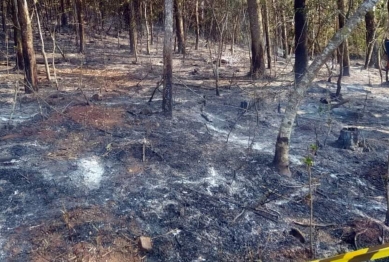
308, 161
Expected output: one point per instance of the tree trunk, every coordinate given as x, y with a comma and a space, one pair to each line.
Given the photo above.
17, 36
284, 35
267, 33
31, 75
42, 42
281, 157
257, 51
147, 30
133, 29
4, 13
370, 39
167, 99
344, 48
300, 26
80, 20
178, 5
151, 24
64, 16
197, 24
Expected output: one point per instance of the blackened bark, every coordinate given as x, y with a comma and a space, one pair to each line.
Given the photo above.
370, 40
301, 53
178, 5
17, 36
344, 55
64, 16
167, 98
80, 20
133, 29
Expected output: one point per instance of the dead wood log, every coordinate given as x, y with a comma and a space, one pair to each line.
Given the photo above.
348, 138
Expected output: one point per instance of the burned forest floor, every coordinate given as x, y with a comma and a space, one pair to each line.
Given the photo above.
89, 165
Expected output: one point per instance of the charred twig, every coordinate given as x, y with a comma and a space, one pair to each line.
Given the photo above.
265, 213
143, 78
339, 104
313, 224
155, 89
356, 237
206, 117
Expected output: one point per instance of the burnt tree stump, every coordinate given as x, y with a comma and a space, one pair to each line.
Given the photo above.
348, 138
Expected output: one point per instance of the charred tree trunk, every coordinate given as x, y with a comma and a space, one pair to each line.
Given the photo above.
371, 47
81, 29
167, 99
64, 16
30, 69
147, 30
17, 36
301, 53
281, 157
133, 29
4, 7
344, 47
267, 33
284, 35
257, 51
178, 5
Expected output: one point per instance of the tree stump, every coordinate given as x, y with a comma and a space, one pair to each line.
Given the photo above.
348, 138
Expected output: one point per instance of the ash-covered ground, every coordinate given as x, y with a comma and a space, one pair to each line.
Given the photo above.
82, 177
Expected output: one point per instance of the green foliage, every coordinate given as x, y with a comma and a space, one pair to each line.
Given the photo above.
308, 161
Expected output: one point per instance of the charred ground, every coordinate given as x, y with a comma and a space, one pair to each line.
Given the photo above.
74, 185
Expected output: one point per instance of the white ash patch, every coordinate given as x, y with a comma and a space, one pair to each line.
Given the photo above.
90, 172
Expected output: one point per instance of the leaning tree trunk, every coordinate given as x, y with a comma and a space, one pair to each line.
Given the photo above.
257, 51
179, 27
30, 68
300, 29
281, 157
81, 29
167, 99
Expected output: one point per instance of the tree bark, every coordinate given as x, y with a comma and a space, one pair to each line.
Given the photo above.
17, 36
281, 157
167, 98
147, 30
197, 24
64, 16
4, 13
344, 52
371, 56
257, 51
267, 33
284, 35
30, 69
133, 29
301, 36
81, 29
48, 76
178, 5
